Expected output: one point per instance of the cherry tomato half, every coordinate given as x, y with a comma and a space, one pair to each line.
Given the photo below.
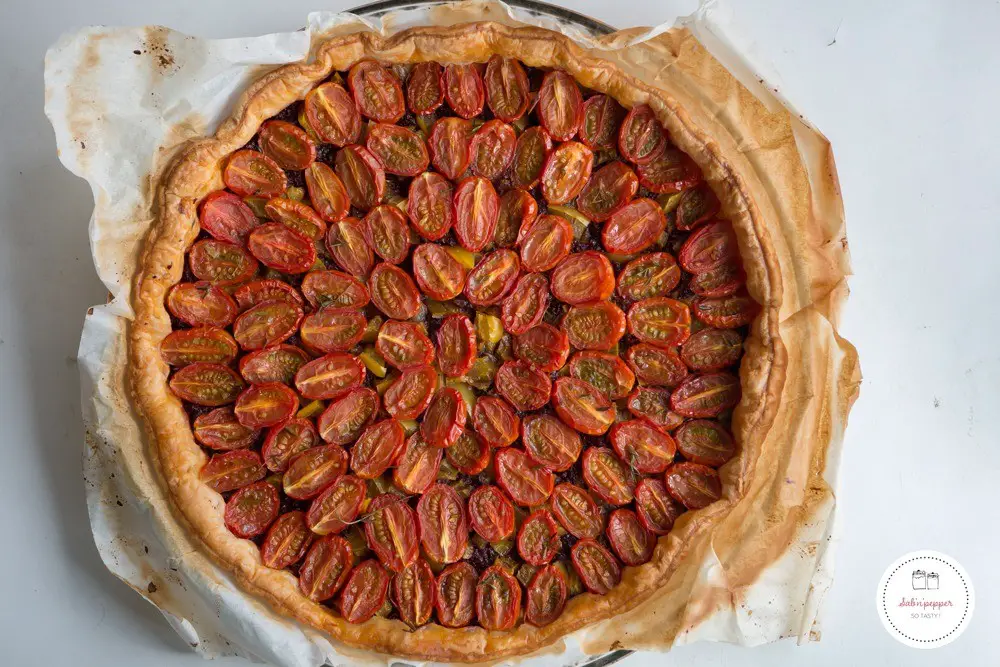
201, 304
251, 510
207, 384
602, 116
693, 485
577, 511
608, 190
376, 92
253, 174
221, 263
696, 205
491, 513
525, 306
455, 595
596, 567
477, 208
710, 246
527, 483
727, 312
344, 419
387, 234
327, 192
530, 156
524, 387
332, 114
641, 137
335, 289
229, 471
429, 205
456, 345
399, 150
393, 292
463, 89
424, 88
256, 292
296, 216
287, 144
643, 446
391, 531
365, 591
633, 544
594, 326
312, 471
654, 406
546, 596
330, 376
634, 227
606, 372
543, 347
517, 209
560, 105
418, 467
404, 345
669, 171
377, 449
656, 366
469, 454
444, 419
550, 443
282, 248
712, 349
449, 146
444, 531
267, 324
545, 242
332, 329
362, 175
411, 393
286, 542
707, 395
582, 277
538, 540
495, 421
566, 172
498, 599
439, 275
580, 405
724, 280
660, 321
656, 509
506, 88
492, 149
326, 568
651, 275
608, 476
224, 215
346, 242
338, 506
285, 440
705, 442
413, 593
220, 430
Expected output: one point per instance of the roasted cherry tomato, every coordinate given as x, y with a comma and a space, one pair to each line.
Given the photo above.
387, 233
634, 227
606, 372
492, 149
543, 347
491, 513
550, 443
207, 384
712, 349
455, 594
706, 442
334, 289
411, 393
391, 531
577, 511
651, 275
633, 544
710, 246
641, 137
287, 144
560, 105
377, 449
523, 386
365, 591
338, 506
582, 277
418, 467
439, 275
546, 596
661, 321
343, 419
329, 377
285, 440
362, 175
393, 292
224, 215
325, 568
332, 114
463, 88
728, 312
608, 190
232, 470
656, 366
346, 242
327, 192
477, 208
253, 174
498, 599
507, 91
696, 205
444, 419
424, 88
594, 326
413, 593
517, 209
669, 171
404, 344
449, 146
495, 421
312, 471
444, 531
492, 278
566, 172
267, 324
399, 150
596, 567
376, 92
456, 345
332, 329
693, 485
643, 446
608, 476
256, 292
282, 248
582, 406
469, 454
429, 205
286, 542
602, 116
656, 509
220, 430
544, 242
251, 510
530, 156
703, 396
538, 540
220, 262
654, 406
724, 280
525, 481
297, 216
208, 344
525, 306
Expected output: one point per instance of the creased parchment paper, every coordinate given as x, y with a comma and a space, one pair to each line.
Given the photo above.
122, 100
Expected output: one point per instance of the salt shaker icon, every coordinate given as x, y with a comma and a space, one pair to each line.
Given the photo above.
933, 581
919, 580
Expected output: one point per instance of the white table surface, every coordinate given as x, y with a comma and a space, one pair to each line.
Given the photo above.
907, 92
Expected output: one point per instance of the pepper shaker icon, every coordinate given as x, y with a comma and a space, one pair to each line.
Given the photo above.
919, 580
933, 581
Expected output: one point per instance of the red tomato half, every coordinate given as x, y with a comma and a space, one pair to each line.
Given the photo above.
582, 277
495, 421
728, 312
463, 88
449, 146
530, 156
251, 510
656, 509
507, 90
387, 234
582, 406
413, 593
332, 114
206, 384
525, 306
651, 275
693, 485
456, 590
523, 386
256, 292
312, 471
297, 216
391, 531
498, 599
444, 531
724, 280
253, 174
344, 419
656, 366
560, 105
608, 476
201, 304
224, 215
378, 449
325, 568
424, 88
643, 446
696, 205
702, 396
327, 192
596, 567
346, 242
332, 329
393, 292
362, 175
669, 171
641, 137
444, 419
285, 440
429, 205
705, 442
411, 393
577, 511
538, 540
365, 591
492, 149
654, 406
550, 443
608, 190
267, 324
404, 345
546, 596
220, 262
634, 227
439, 275
594, 326
602, 116
469, 454
633, 544
566, 172
712, 349
526, 482
545, 242
477, 208
281, 248
286, 542
287, 144
606, 372
456, 345
491, 513
517, 209
334, 289
220, 430
418, 467
492, 278
376, 92
660, 321
710, 246
543, 347
232, 470
338, 506
330, 377
399, 150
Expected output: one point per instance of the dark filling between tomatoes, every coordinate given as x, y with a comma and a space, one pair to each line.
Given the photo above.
459, 342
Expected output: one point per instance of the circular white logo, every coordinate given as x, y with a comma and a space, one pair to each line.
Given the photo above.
925, 599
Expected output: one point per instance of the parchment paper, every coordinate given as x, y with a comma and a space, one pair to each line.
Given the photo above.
122, 100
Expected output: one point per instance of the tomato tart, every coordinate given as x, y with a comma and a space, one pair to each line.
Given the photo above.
439, 339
